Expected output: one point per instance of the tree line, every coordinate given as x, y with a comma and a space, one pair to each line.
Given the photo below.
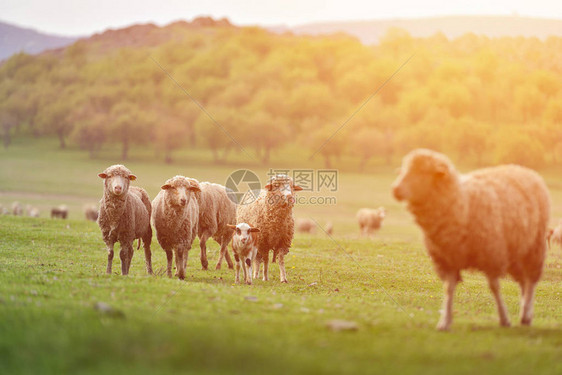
480, 99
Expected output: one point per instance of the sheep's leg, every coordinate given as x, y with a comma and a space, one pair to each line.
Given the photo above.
527, 295
494, 284
447, 312
257, 261
203, 246
265, 257
247, 271
169, 257
180, 263
124, 255
237, 278
227, 256
281, 262
130, 257
147, 257
110, 255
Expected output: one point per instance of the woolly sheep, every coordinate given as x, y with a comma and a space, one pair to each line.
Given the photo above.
124, 216
91, 212
33, 212
329, 228
59, 212
17, 209
244, 248
175, 214
555, 235
370, 220
272, 212
305, 225
493, 220
216, 211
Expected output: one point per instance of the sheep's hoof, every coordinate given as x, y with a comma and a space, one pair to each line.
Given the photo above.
525, 321
284, 282
231, 266
204, 268
249, 282
218, 267
505, 323
443, 326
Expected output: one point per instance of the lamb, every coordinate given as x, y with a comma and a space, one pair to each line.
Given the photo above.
244, 247
124, 216
494, 220
216, 211
175, 214
272, 213
91, 212
306, 226
17, 209
33, 212
59, 212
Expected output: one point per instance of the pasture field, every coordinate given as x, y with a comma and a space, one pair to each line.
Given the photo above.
52, 277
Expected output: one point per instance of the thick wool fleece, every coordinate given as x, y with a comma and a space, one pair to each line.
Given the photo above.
274, 217
216, 211
493, 220
176, 224
125, 218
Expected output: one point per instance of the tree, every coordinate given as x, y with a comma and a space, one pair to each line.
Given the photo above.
90, 131
266, 133
130, 125
54, 118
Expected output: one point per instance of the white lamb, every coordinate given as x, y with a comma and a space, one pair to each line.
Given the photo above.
244, 247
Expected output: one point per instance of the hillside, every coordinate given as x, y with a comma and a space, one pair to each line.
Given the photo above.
17, 39
370, 32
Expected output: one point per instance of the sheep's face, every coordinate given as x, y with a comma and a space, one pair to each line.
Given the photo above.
243, 233
422, 172
180, 190
116, 179
281, 190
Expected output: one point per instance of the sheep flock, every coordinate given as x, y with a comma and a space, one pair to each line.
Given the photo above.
493, 220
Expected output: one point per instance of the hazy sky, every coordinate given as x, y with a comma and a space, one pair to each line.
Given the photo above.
80, 17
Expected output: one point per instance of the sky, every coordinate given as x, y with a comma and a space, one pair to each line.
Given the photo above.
84, 17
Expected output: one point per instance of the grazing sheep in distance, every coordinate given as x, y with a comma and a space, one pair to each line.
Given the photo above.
216, 211
272, 212
175, 214
370, 220
494, 220
305, 225
33, 212
60, 212
124, 216
91, 212
244, 248
329, 228
17, 209
4, 210
555, 235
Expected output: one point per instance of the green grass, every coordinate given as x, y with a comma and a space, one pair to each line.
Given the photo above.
52, 275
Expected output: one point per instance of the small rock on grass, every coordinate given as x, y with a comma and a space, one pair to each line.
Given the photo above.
337, 325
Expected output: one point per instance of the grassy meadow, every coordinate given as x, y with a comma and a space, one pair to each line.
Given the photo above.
52, 277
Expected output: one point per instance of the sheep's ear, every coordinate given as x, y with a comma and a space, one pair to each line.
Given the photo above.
194, 187
231, 226
166, 187
254, 229
297, 188
269, 186
132, 177
102, 175
441, 170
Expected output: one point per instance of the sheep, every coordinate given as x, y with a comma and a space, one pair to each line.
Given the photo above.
216, 211
124, 216
59, 212
244, 248
91, 212
305, 225
4, 210
370, 220
554, 235
17, 209
329, 229
272, 212
175, 215
33, 212
493, 220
